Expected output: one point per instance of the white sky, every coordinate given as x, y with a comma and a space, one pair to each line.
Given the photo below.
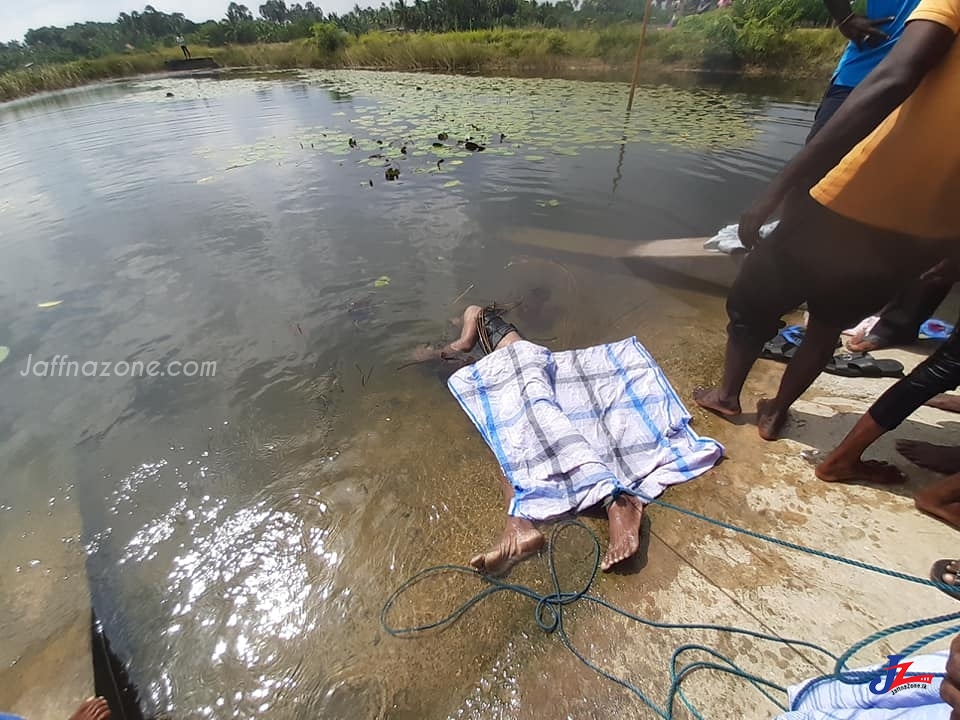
18, 17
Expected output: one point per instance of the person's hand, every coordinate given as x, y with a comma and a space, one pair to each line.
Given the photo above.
863, 31
755, 216
950, 688
943, 272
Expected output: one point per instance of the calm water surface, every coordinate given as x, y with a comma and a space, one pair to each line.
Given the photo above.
241, 531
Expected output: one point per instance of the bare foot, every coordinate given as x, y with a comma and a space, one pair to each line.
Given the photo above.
624, 514
770, 420
92, 709
943, 401
949, 512
861, 342
711, 399
861, 471
939, 458
520, 540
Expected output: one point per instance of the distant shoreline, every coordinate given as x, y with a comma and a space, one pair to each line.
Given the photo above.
802, 53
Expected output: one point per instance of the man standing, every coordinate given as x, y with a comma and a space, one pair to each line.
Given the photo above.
871, 37
183, 46
868, 204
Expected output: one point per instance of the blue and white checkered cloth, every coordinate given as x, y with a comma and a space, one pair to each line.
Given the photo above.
571, 428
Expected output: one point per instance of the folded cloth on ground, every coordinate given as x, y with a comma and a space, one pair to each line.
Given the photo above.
727, 239
834, 700
571, 428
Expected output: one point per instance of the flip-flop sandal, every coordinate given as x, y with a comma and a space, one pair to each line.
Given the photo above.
936, 574
863, 365
783, 345
936, 329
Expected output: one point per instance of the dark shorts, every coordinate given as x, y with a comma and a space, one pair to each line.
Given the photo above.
842, 270
832, 100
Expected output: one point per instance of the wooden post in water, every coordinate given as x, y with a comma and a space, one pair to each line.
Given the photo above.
636, 63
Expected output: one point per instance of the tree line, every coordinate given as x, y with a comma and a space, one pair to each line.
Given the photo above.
278, 22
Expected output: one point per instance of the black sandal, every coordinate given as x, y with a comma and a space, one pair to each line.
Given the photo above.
937, 573
492, 328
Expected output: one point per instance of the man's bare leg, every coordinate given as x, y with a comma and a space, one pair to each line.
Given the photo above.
939, 458
813, 354
92, 709
724, 399
943, 401
520, 539
625, 515
844, 464
942, 500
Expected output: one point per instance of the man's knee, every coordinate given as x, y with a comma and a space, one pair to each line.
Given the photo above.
759, 296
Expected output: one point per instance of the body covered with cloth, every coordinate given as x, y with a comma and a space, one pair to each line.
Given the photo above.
579, 428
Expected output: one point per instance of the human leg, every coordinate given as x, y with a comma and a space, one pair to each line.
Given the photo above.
519, 540
762, 292
844, 463
939, 372
92, 709
942, 500
832, 100
625, 513
900, 321
804, 367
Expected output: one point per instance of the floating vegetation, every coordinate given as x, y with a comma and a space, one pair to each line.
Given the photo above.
381, 281
4, 353
549, 203
392, 174
49, 304
451, 183
381, 122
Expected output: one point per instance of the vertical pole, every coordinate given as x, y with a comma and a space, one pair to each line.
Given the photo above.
636, 63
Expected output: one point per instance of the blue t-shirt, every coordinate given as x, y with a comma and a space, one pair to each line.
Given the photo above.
856, 64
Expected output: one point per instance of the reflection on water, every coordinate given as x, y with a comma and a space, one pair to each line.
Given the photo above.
242, 531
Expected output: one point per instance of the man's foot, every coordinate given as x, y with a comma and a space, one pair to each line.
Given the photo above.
930, 504
426, 353
947, 572
92, 709
860, 471
770, 420
711, 399
939, 458
943, 401
625, 514
520, 540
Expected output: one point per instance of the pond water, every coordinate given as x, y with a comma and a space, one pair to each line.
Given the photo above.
242, 529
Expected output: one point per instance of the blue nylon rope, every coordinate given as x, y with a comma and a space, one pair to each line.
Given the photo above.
549, 616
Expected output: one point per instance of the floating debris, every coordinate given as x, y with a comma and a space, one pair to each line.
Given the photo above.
169, 94
352, 143
392, 174
49, 304
442, 136
438, 144
403, 149
473, 147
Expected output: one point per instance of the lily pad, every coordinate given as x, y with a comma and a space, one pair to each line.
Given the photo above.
49, 304
534, 158
382, 281
203, 180
4, 353
452, 183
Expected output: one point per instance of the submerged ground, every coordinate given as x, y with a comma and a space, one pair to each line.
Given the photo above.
240, 533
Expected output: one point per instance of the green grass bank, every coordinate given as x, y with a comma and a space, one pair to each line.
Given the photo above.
710, 42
